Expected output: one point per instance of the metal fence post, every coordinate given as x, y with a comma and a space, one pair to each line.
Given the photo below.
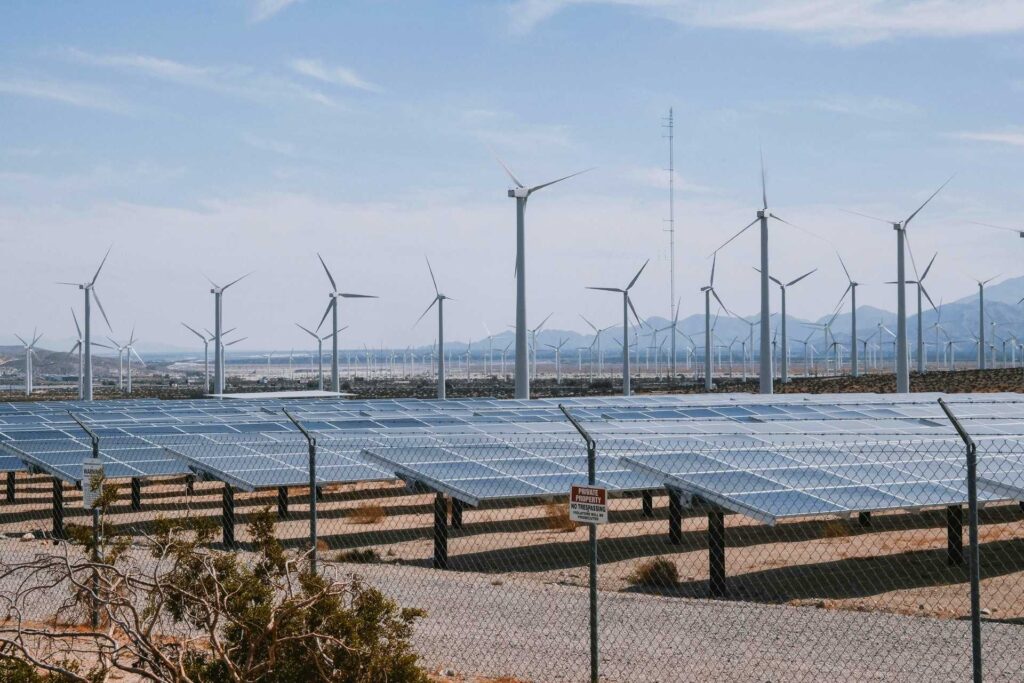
311, 440
972, 533
592, 531
95, 612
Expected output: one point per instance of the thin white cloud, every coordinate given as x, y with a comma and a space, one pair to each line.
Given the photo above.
336, 75
841, 21
232, 80
64, 92
264, 9
874, 106
1012, 136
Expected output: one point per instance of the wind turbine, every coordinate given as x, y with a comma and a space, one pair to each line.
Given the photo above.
439, 299
785, 338
920, 311
130, 350
902, 371
597, 340
218, 346
30, 351
627, 306
521, 193
332, 309
709, 291
763, 214
981, 320
557, 348
89, 288
533, 341
319, 350
852, 289
80, 347
120, 362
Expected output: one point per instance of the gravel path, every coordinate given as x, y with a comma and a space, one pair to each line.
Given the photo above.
480, 625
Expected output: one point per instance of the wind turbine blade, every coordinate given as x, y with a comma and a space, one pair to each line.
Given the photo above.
720, 303
309, 332
637, 317
75, 347
22, 340
236, 341
537, 329
357, 296
236, 281
36, 338
772, 278
77, 327
592, 324
992, 278
764, 186
850, 279
637, 276
509, 172
927, 296
675, 318
714, 262
332, 302
571, 175
793, 282
432, 278
911, 216
997, 227
73, 284
136, 354
102, 345
864, 215
425, 312
96, 296
330, 277
93, 281
928, 267
724, 244
607, 289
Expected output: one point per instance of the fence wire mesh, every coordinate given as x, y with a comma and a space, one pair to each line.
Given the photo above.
720, 560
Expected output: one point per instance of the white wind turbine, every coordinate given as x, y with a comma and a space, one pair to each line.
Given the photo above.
763, 214
557, 348
785, 338
130, 351
981, 320
89, 288
439, 300
921, 291
120, 362
319, 350
851, 288
30, 352
218, 345
709, 291
597, 341
332, 309
533, 342
902, 369
521, 193
627, 306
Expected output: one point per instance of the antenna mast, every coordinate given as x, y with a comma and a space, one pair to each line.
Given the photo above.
672, 237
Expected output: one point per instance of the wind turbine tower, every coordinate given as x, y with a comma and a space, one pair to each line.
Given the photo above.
218, 346
89, 288
627, 306
439, 299
332, 309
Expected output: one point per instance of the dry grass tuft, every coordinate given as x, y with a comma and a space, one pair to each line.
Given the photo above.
368, 513
656, 572
557, 517
837, 528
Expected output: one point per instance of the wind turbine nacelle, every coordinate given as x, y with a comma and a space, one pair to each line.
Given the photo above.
519, 192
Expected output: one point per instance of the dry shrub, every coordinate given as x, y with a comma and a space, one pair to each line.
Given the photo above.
557, 517
656, 572
368, 513
358, 555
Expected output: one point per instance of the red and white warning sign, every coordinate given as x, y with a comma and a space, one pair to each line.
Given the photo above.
588, 504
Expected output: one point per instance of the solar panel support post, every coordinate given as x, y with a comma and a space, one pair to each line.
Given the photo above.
227, 520
648, 504
972, 534
190, 484
864, 519
282, 502
716, 553
457, 507
58, 487
675, 518
314, 490
136, 489
58, 509
955, 534
592, 532
440, 532
10, 487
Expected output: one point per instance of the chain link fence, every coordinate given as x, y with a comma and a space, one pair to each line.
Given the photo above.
720, 560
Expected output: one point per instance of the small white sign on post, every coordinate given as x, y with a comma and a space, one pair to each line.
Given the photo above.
588, 504
92, 473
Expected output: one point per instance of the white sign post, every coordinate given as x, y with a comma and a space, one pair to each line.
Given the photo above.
92, 471
588, 504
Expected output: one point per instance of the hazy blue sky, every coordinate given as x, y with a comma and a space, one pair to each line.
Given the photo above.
246, 135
